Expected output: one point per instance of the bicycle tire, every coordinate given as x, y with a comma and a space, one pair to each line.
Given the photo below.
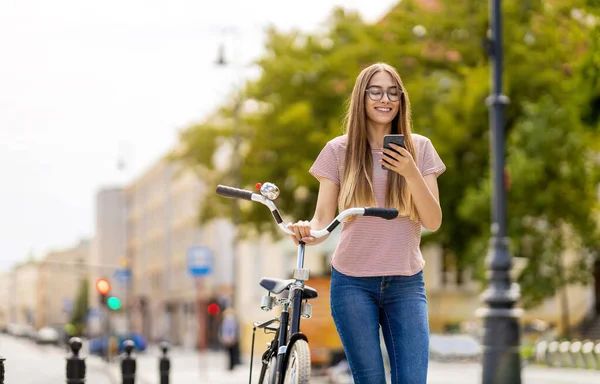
267, 372
298, 365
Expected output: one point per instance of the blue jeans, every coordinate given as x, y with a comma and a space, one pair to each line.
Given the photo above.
397, 304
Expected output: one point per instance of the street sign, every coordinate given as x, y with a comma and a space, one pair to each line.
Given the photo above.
199, 261
67, 306
123, 276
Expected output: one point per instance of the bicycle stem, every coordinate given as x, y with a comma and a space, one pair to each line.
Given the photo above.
300, 257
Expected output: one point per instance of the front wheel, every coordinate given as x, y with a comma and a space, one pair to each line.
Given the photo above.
298, 364
267, 372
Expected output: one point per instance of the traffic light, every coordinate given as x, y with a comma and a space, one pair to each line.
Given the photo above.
103, 288
213, 309
113, 303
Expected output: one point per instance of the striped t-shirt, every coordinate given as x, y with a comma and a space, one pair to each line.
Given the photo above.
371, 246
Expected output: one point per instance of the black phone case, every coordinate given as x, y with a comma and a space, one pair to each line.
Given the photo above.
393, 139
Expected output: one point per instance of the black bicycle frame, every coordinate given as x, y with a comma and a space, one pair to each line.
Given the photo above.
296, 291
295, 302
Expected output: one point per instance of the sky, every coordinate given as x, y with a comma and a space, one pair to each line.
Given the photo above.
85, 83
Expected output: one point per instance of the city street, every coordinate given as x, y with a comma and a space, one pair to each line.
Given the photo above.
28, 363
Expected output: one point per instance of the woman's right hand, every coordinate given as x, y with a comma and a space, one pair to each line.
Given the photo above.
301, 231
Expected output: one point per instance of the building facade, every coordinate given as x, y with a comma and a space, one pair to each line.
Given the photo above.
25, 293
108, 257
61, 275
162, 225
6, 280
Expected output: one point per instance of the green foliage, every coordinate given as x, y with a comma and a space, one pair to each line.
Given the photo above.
552, 51
81, 306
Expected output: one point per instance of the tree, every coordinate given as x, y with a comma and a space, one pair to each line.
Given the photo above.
81, 307
300, 97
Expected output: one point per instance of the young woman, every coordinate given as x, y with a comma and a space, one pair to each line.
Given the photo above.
377, 267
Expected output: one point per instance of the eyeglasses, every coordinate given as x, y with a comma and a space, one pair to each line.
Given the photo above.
376, 93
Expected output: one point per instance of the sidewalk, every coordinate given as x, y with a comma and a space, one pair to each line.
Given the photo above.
210, 367
470, 373
188, 367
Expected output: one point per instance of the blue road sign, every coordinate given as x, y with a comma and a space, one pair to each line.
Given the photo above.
199, 261
123, 276
67, 305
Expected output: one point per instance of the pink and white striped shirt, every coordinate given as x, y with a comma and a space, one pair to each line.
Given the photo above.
371, 246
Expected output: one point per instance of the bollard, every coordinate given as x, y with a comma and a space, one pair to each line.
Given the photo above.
2, 370
541, 352
587, 351
597, 354
566, 360
164, 366
552, 358
576, 354
75, 364
128, 363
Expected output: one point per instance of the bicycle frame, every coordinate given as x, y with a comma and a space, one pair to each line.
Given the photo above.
289, 331
286, 339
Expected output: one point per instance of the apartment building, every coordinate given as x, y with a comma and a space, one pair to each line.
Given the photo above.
61, 274
6, 281
107, 256
162, 225
24, 292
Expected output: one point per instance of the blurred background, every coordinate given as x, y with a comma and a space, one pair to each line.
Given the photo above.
118, 120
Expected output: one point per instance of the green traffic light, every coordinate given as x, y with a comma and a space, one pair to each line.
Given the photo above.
113, 303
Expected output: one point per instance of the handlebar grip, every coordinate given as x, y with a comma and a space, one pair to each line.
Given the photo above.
384, 213
233, 193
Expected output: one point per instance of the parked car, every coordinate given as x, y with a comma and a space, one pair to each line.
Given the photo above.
21, 330
47, 335
99, 345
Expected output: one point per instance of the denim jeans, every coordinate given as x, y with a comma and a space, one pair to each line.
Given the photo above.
397, 304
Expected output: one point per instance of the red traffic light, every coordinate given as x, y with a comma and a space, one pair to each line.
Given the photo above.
213, 309
103, 286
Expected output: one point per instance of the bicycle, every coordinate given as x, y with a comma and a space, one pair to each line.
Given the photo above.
287, 357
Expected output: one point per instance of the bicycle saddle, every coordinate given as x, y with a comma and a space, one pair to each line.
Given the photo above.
277, 286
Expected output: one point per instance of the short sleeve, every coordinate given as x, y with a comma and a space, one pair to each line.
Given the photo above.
431, 163
326, 165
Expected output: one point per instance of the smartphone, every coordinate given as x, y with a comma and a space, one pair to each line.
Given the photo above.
393, 139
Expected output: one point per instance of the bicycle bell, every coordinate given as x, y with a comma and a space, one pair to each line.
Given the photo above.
270, 191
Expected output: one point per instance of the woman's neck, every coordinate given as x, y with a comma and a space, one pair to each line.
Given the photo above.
375, 133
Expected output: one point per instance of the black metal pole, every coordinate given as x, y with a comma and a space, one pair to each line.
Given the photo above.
501, 339
128, 364
2, 359
236, 174
75, 364
164, 364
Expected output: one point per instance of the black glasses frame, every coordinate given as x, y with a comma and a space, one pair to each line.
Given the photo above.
392, 98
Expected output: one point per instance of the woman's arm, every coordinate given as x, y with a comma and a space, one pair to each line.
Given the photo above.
424, 189
324, 213
425, 194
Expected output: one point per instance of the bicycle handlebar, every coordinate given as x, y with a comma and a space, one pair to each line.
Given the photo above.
236, 193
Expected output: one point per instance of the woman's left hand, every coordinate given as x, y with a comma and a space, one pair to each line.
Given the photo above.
401, 163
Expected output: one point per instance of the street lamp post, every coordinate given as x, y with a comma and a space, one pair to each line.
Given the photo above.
501, 337
236, 176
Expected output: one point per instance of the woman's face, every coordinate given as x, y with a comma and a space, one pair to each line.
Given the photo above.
380, 109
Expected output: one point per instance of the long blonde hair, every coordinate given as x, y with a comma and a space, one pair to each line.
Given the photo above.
357, 181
